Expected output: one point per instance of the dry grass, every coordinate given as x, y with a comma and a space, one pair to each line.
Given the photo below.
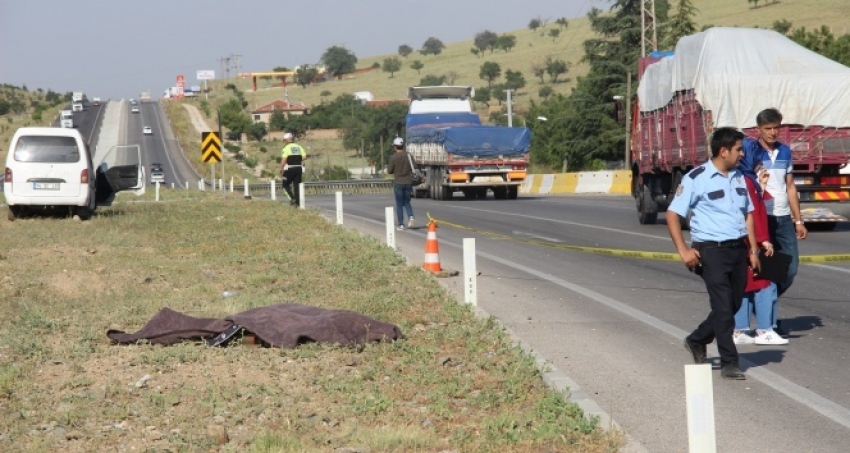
533, 47
63, 386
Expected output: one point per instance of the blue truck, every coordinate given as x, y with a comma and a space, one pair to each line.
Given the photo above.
455, 152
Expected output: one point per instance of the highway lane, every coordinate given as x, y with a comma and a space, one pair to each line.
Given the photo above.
160, 146
615, 324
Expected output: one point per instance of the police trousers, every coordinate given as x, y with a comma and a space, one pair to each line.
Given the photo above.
724, 271
292, 176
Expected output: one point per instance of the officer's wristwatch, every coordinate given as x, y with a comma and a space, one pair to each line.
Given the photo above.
798, 222
754, 252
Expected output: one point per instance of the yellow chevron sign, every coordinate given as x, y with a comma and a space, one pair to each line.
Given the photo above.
210, 147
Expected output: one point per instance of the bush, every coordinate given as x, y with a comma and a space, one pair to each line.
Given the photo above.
250, 162
263, 149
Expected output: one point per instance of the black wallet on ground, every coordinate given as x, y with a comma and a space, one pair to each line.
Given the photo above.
775, 267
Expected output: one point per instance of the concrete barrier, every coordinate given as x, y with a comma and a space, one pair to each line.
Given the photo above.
612, 182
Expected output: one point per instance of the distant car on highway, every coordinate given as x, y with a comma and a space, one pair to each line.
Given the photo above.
157, 176
95, 101
134, 110
156, 166
147, 130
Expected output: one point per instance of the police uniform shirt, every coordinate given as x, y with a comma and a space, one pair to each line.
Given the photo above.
719, 203
293, 154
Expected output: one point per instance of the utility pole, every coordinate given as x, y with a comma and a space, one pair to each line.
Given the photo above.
510, 111
647, 27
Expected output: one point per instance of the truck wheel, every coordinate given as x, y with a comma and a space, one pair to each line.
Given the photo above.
432, 177
445, 192
468, 194
500, 193
481, 192
647, 208
513, 191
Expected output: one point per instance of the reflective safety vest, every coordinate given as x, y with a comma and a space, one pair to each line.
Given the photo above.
293, 154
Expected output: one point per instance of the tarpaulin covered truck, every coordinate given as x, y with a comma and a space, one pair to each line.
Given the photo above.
725, 77
456, 152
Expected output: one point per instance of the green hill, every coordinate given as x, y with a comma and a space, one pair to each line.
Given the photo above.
536, 46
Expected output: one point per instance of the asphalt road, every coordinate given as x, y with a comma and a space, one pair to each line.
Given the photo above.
160, 146
615, 325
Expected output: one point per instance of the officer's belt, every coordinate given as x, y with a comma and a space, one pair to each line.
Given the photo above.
730, 243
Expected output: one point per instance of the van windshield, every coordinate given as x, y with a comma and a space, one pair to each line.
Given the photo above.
47, 149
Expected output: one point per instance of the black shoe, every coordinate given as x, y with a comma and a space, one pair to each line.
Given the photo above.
731, 371
697, 350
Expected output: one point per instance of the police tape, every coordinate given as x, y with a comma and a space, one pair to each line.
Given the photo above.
658, 256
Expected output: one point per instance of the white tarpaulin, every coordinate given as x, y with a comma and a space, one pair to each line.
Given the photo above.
738, 72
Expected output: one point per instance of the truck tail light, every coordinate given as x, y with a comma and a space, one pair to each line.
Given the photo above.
835, 180
8, 177
84, 176
518, 167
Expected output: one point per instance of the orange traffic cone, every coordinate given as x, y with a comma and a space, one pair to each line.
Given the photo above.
432, 250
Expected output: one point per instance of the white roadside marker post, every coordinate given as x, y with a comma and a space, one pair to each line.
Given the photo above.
388, 215
699, 399
274, 196
470, 282
339, 208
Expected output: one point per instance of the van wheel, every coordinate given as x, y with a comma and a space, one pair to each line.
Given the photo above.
84, 212
13, 213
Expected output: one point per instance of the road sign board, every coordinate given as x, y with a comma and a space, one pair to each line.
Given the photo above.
210, 147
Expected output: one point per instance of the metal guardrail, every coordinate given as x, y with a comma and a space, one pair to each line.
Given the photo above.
313, 188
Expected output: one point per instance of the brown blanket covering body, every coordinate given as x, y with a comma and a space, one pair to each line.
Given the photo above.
283, 325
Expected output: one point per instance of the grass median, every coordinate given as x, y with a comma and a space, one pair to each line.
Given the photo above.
454, 383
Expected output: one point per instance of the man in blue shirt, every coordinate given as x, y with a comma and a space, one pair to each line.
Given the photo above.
716, 195
784, 219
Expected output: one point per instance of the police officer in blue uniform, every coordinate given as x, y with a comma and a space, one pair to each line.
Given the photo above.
716, 195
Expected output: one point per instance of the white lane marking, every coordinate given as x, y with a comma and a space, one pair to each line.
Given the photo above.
535, 236
808, 398
563, 222
827, 267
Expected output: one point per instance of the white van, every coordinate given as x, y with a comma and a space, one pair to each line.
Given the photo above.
48, 167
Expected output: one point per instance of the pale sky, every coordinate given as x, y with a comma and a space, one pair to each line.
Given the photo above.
118, 48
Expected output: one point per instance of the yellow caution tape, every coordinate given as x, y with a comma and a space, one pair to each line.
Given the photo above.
660, 256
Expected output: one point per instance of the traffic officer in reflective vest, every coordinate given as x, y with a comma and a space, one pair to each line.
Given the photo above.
291, 168
716, 195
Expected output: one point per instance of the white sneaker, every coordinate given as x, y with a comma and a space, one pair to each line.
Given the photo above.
410, 222
400, 228
742, 337
769, 337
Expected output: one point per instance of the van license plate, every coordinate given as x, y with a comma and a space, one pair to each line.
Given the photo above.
45, 185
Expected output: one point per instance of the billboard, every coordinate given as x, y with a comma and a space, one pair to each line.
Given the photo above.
205, 74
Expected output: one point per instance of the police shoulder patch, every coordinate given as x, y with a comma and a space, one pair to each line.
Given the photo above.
696, 172
679, 190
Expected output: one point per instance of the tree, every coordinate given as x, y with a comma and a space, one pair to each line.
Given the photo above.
277, 121
514, 80
324, 95
417, 66
562, 23
534, 24
432, 80
404, 50
486, 40
451, 76
475, 51
483, 95
256, 131
500, 93
339, 61
432, 46
538, 69
554, 32
306, 75
682, 24
280, 69
392, 65
506, 42
781, 26
490, 71
545, 91
754, 2
556, 67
